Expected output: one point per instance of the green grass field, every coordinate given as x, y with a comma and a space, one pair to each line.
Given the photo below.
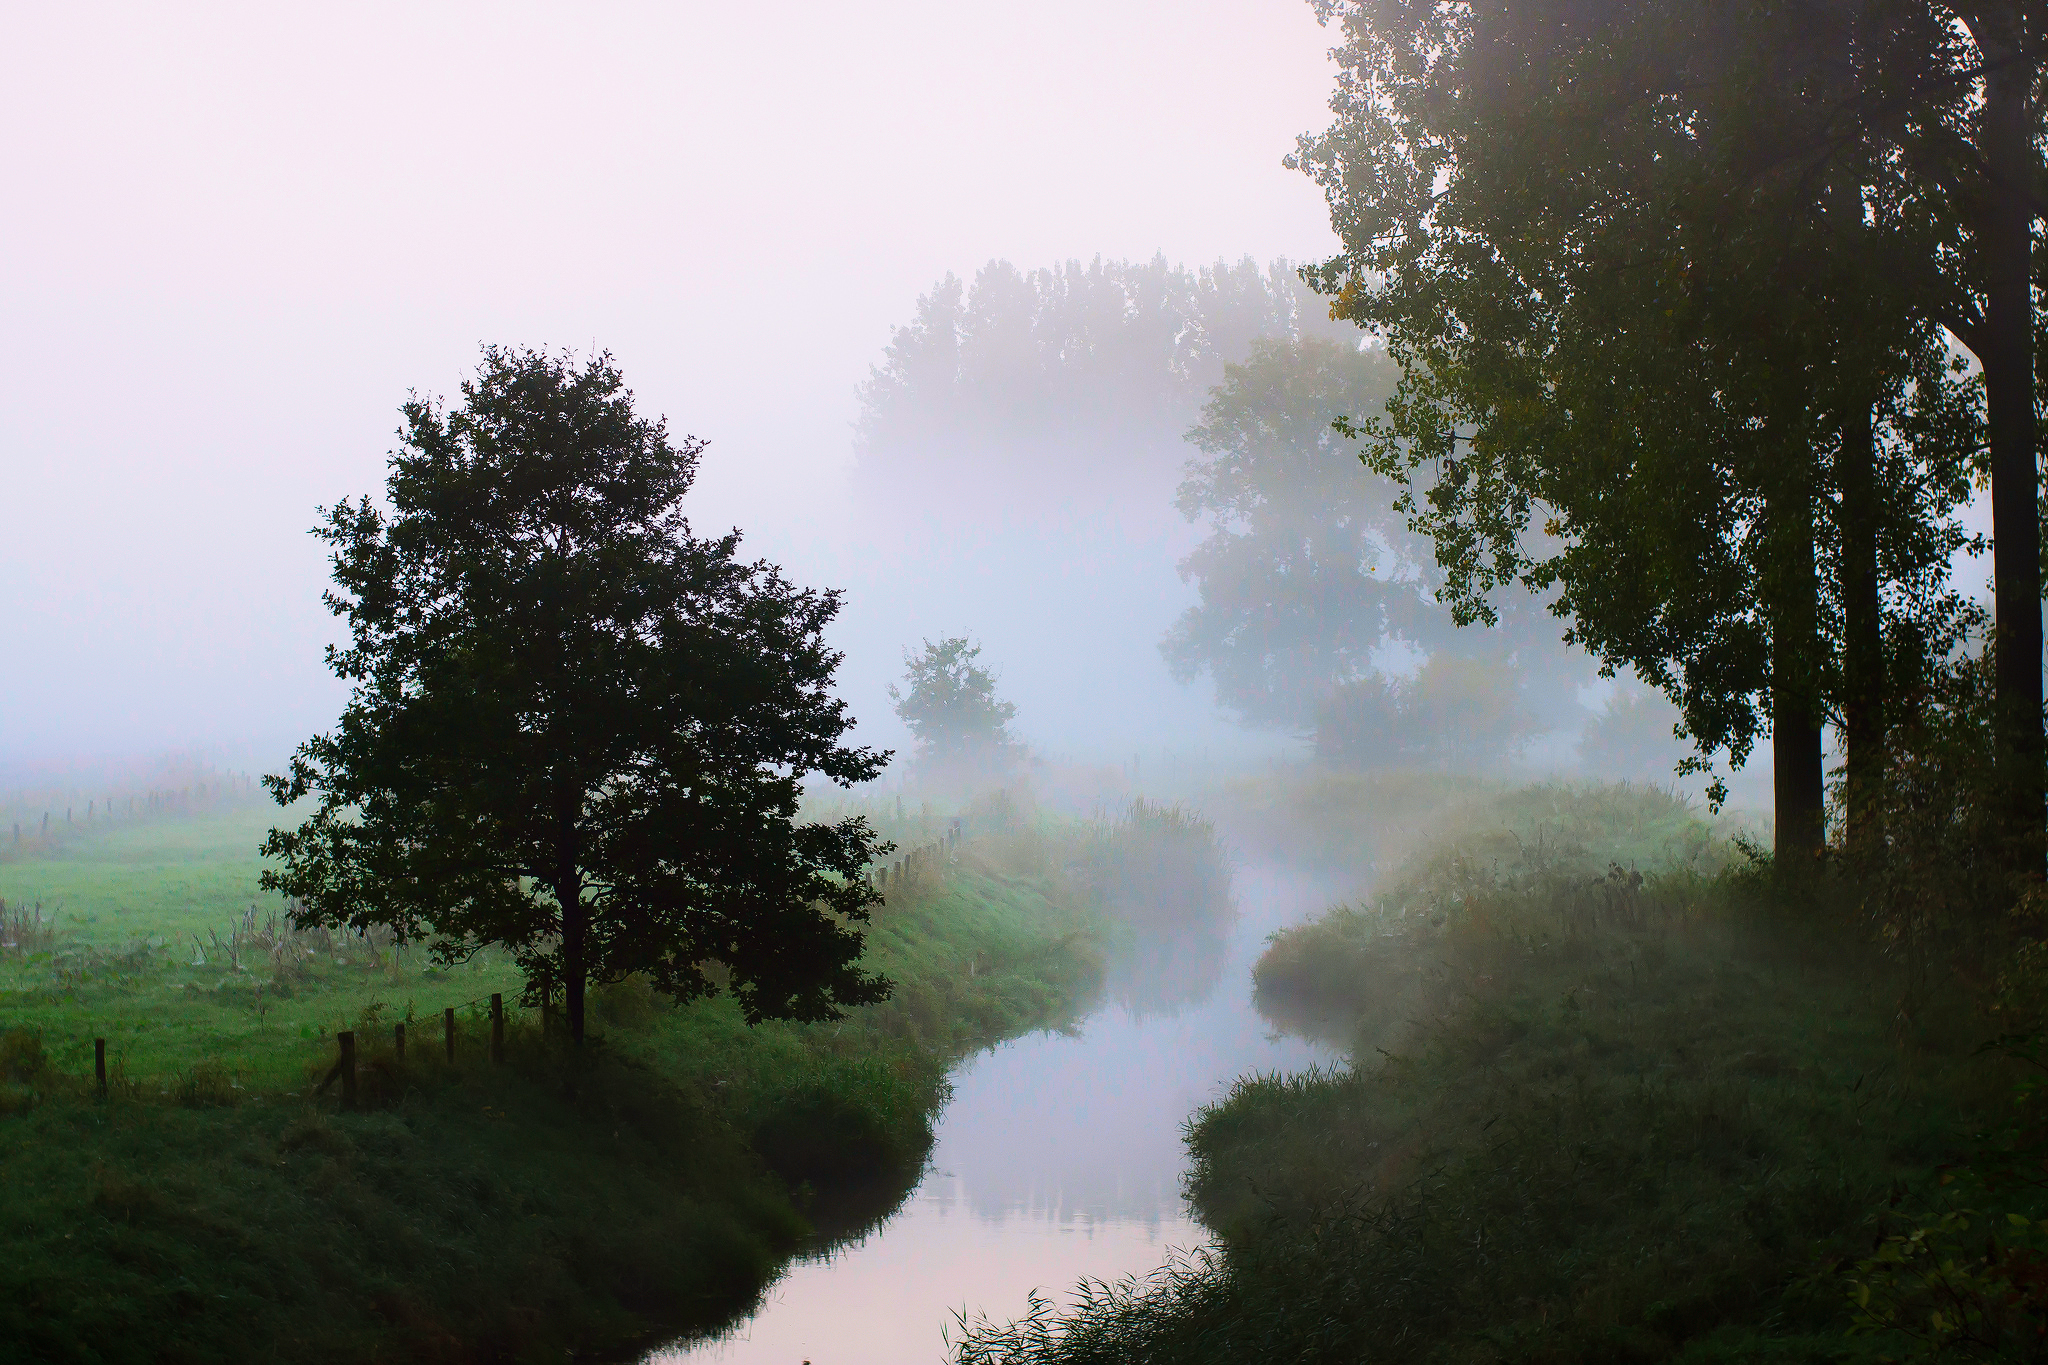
141, 915
214, 1207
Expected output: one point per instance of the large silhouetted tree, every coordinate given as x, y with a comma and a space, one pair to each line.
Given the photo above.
577, 729
1650, 361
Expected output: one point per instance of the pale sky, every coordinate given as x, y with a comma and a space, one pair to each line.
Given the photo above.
236, 236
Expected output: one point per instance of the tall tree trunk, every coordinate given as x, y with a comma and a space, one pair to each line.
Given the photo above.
2006, 242
1797, 772
575, 923
1863, 627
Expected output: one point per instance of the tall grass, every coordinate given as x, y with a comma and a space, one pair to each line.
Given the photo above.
1581, 851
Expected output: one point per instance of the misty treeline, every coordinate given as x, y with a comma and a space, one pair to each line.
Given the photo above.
1209, 394
1708, 318
1076, 380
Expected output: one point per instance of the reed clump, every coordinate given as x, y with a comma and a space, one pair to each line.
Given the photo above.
24, 931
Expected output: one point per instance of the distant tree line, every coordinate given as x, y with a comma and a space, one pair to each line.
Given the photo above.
1086, 383
1072, 379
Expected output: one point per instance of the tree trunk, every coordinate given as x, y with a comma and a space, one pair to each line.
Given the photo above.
2006, 241
1863, 627
575, 922
1797, 776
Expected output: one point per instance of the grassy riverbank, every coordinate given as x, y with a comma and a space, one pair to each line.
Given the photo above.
1597, 1112
212, 1208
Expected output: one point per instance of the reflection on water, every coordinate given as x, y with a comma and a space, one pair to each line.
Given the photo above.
1059, 1158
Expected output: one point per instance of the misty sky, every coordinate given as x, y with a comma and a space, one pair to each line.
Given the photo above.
238, 235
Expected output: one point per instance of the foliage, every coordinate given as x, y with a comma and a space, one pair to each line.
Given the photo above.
576, 729
1638, 346
1304, 570
1581, 850
1929, 877
1952, 1279
1308, 569
950, 705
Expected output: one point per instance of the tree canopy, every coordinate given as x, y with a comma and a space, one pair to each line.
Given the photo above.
576, 729
1067, 374
1647, 362
1310, 571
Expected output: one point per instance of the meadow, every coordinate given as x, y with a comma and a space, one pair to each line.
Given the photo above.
215, 1204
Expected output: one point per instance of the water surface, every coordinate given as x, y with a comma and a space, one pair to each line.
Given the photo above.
1059, 1158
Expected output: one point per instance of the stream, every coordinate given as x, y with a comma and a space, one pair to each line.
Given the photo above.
1059, 1158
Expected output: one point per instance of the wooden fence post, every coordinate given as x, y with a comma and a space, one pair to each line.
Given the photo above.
448, 1023
99, 1065
348, 1069
398, 1041
497, 1027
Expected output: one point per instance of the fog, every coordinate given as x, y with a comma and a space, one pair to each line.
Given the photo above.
242, 237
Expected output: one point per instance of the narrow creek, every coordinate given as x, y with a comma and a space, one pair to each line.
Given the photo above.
1059, 1158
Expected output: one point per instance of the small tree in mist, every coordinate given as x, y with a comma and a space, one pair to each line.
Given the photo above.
949, 702
577, 730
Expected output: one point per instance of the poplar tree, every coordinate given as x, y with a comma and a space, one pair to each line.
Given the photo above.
1642, 351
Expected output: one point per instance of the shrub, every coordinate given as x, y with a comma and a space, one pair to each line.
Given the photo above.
1926, 861
21, 1055
629, 1004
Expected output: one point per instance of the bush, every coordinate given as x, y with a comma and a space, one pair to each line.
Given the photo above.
629, 1004
21, 1055
1924, 854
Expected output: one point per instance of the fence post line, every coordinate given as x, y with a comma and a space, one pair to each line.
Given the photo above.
398, 1041
99, 1065
497, 1027
348, 1069
448, 1023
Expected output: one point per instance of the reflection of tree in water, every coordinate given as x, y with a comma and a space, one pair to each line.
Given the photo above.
1161, 975
1164, 878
